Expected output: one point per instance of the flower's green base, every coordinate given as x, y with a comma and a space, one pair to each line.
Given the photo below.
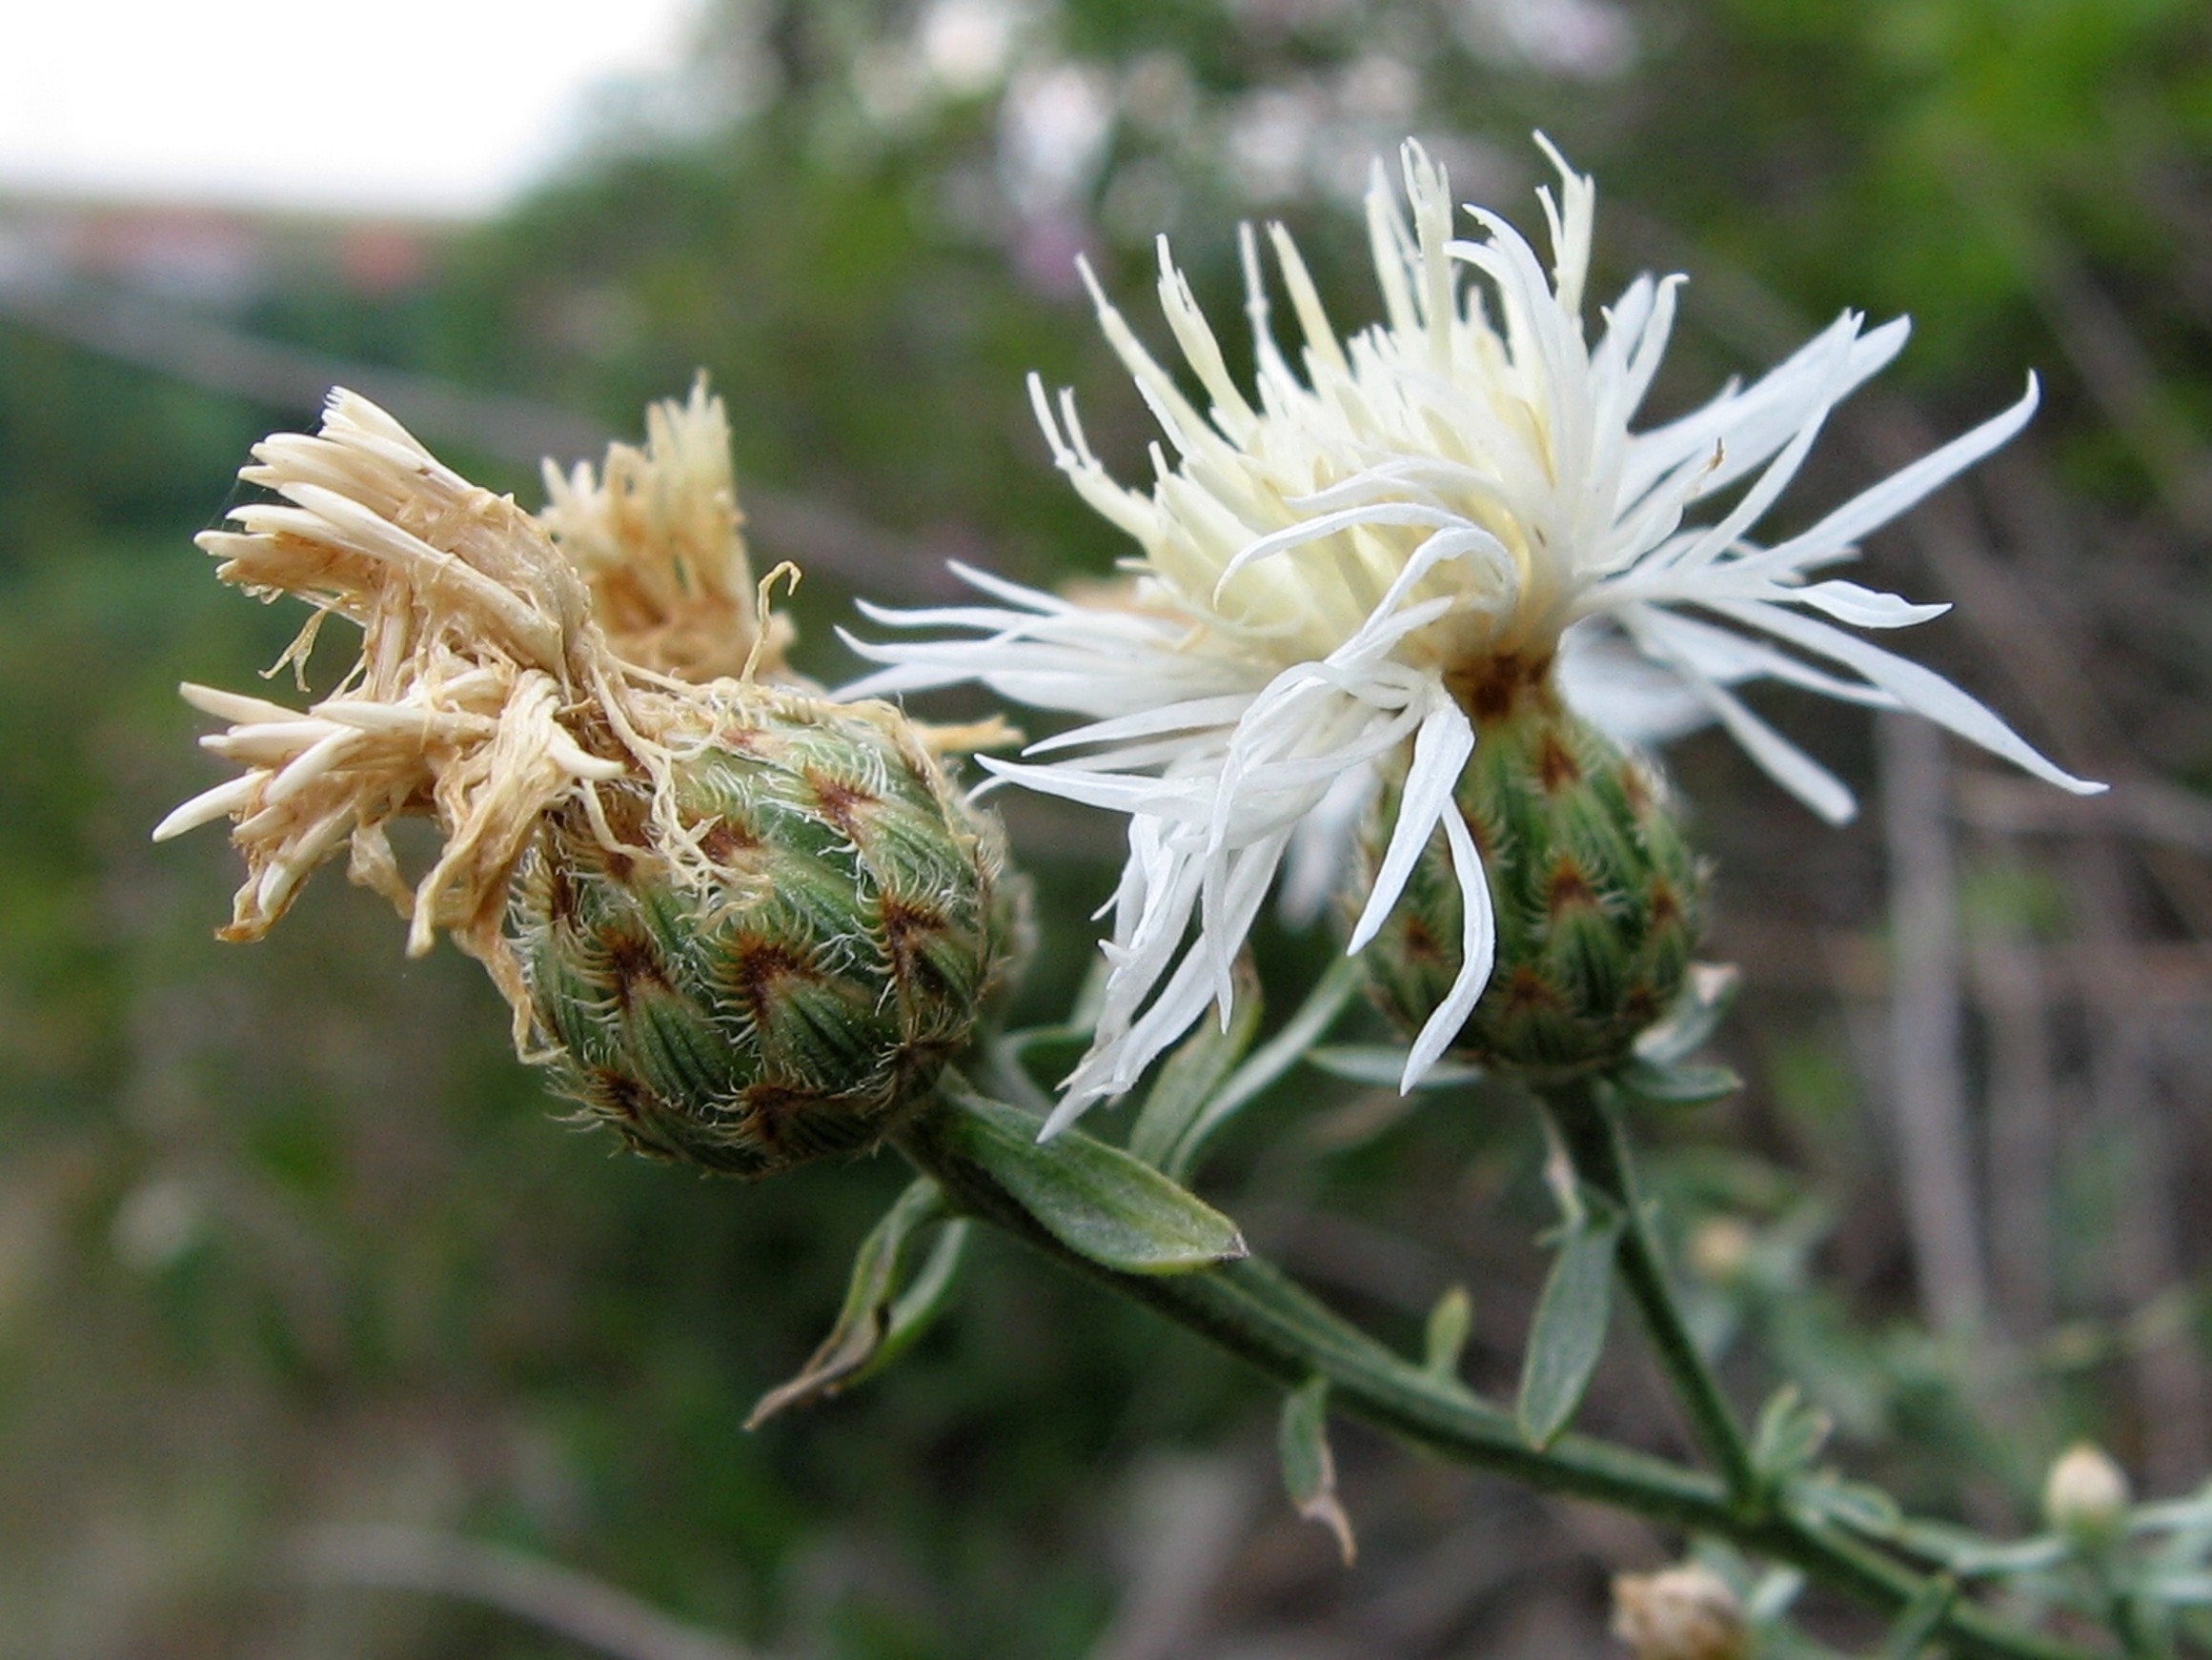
1597, 898
807, 994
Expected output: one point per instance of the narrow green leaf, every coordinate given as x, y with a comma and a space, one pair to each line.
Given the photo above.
1674, 1083
1922, 1617
1010, 1054
2181, 1590
1384, 1064
1790, 1435
1006, 1073
1864, 1509
1274, 1058
920, 1303
2190, 1514
1690, 1021
1309, 1468
1569, 1331
1093, 1199
1773, 1597
862, 1324
1971, 1558
1192, 1075
1449, 1323
1067, 1037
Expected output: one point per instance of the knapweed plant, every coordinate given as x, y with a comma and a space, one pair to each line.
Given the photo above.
1401, 623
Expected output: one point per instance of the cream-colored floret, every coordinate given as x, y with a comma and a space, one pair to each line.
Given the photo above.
485, 693
654, 532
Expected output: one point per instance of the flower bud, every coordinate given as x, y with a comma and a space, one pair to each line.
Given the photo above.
744, 924
2085, 1497
1686, 1613
1598, 898
1720, 1250
795, 968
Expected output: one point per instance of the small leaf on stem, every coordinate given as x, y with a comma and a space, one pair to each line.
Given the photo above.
1921, 1620
1866, 1510
1695, 1013
1384, 1065
923, 1301
1309, 1469
1096, 1199
1674, 1083
870, 1316
1446, 1340
1790, 1435
1189, 1077
1572, 1316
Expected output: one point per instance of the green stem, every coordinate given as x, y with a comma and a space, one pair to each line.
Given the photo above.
1256, 1313
1592, 1135
2138, 1637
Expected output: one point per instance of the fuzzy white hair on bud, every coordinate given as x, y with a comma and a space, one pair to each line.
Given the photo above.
745, 923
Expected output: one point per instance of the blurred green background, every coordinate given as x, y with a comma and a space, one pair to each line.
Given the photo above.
290, 1248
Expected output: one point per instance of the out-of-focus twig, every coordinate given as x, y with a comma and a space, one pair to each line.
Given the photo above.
1927, 1090
581, 1609
186, 345
2147, 809
1188, 1518
2023, 1126
173, 340
2144, 1254
2035, 646
2156, 978
2116, 368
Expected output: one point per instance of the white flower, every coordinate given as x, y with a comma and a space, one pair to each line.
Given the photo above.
1364, 556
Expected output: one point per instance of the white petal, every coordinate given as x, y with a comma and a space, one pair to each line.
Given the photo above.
1328, 524
1873, 508
1477, 953
1440, 752
220, 802
1180, 716
1919, 689
1863, 607
1728, 659
1122, 795
1321, 846
1826, 372
1782, 761
1012, 593
1752, 422
1624, 694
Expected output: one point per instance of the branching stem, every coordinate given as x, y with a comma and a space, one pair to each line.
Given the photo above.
1254, 1312
1591, 1133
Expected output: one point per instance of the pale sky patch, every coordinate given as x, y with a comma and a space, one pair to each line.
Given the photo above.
423, 106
